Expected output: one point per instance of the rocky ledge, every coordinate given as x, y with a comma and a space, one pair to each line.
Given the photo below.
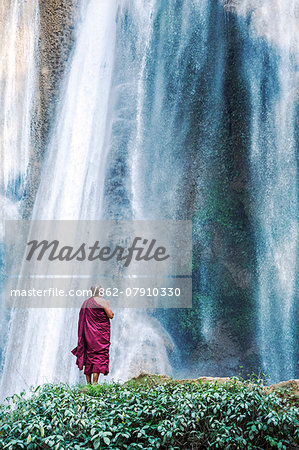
290, 386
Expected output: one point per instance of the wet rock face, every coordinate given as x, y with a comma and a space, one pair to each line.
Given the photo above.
231, 5
57, 25
57, 35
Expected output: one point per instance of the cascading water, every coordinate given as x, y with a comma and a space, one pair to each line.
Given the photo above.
72, 183
161, 107
18, 71
271, 67
169, 54
18, 74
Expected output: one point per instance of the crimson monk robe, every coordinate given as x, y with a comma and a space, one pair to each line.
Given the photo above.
92, 351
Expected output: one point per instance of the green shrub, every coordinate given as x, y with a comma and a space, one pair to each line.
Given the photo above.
150, 415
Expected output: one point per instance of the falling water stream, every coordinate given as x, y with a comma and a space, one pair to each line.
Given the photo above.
18, 72
136, 135
273, 76
72, 183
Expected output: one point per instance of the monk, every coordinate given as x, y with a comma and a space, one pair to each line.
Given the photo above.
92, 350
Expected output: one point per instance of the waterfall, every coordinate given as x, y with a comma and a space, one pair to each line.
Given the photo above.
157, 164
71, 187
160, 110
123, 109
271, 68
18, 76
18, 71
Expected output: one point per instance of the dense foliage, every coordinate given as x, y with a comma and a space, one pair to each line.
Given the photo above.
151, 414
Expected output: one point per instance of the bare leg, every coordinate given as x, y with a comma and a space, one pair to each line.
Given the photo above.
88, 378
95, 378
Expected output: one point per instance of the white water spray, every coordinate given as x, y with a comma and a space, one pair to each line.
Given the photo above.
72, 186
274, 178
18, 76
18, 72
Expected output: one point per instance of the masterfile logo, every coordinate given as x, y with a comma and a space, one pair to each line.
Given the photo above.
54, 251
